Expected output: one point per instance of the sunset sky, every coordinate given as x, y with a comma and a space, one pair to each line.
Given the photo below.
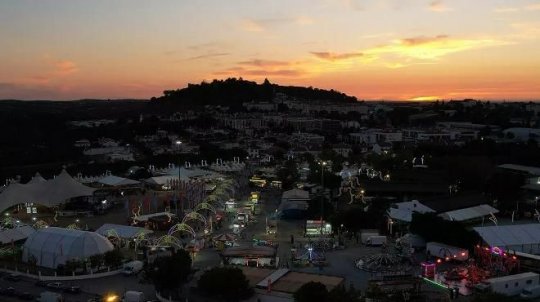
372, 49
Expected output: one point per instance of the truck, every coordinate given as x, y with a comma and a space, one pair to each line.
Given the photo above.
530, 292
446, 252
133, 296
365, 234
242, 219
50, 297
271, 226
376, 240
132, 268
511, 285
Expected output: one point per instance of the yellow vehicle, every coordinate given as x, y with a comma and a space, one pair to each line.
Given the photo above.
254, 197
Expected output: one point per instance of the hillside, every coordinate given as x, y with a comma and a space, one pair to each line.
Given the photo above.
233, 92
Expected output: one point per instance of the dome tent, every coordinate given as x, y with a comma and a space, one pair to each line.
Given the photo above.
54, 246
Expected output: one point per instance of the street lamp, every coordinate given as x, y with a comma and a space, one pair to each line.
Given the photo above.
322, 164
178, 143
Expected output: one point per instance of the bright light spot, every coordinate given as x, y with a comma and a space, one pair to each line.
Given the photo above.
178, 142
111, 298
425, 98
104, 201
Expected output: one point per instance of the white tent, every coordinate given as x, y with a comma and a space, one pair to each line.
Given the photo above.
54, 246
518, 237
36, 179
115, 181
48, 193
16, 234
465, 214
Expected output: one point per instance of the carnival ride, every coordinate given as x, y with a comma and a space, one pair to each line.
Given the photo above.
384, 263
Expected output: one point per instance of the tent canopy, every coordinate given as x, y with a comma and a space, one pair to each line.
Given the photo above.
16, 234
469, 213
48, 193
115, 181
510, 235
54, 246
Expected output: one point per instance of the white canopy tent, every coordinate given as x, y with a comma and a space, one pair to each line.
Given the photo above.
48, 193
54, 246
465, 214
115, 181
518, 237
403, 211
16, 234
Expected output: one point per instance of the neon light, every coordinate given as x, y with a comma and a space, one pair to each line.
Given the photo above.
435, 282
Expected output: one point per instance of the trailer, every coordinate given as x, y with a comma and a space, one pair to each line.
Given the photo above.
376, 240
511, 285
446, 252
365, 234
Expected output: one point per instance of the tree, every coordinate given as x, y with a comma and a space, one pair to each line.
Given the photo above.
311, 292
288, 174
168, 273
434, 228
113, 258
340, 294
225, 283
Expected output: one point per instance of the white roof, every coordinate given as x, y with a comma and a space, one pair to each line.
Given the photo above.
16, 234
148, 216
508, 235
469, 213
48, 193
123, 231
295, 194
403, 210
37, 179
112, 180
512, 277
528, 169
53, 246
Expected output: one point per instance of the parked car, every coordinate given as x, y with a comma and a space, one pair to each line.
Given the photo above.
13, 277
10, 291
57, 286
72, 289
26, 296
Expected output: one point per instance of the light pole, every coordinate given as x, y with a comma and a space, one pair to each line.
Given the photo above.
322, 164
178, 143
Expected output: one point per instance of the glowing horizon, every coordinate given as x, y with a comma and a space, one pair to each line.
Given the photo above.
373, 49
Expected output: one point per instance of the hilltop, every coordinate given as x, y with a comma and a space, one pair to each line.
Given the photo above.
233, 92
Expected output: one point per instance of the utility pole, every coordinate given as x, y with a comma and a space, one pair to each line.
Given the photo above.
322, 164
178, 143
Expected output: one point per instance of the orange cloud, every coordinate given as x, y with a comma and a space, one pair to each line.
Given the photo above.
534, 6
260, 72
430, 48
438, 6
331, 56
65, 67
259, 25
265, 63
422, 40
209, 55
